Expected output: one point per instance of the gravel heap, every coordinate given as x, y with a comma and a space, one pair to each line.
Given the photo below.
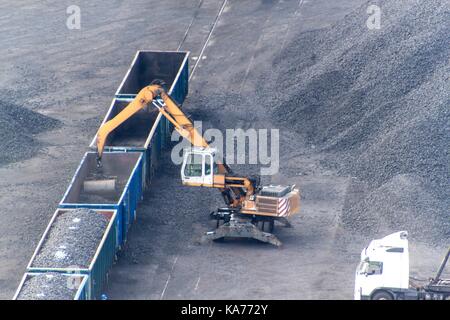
400, 203
18, 125
48, 286
377, 102
73, 240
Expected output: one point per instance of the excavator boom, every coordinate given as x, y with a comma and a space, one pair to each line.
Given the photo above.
171, 111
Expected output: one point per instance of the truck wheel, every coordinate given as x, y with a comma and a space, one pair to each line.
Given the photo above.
382, 295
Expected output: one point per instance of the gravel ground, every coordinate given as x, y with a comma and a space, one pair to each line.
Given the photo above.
73, 240
18, 127
47, 286
72, 76
376, 103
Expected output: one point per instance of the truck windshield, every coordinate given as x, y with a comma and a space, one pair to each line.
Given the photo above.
368, 267
362, 267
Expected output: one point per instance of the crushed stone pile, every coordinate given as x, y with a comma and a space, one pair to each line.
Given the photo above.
377, 103
72, 240
18, 126
399, 204
49, 286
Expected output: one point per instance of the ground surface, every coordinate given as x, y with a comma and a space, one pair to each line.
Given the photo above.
72, 75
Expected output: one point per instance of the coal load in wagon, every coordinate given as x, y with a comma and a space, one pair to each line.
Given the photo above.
48, 286
73, 240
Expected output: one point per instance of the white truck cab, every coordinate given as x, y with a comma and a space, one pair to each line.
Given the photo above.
384, 264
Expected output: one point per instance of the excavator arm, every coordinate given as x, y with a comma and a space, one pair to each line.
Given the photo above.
235, 189
171, 111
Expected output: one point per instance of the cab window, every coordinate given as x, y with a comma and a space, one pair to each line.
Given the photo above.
207, 165
370, 267
208, 160
193, 166
362, 267
374, 267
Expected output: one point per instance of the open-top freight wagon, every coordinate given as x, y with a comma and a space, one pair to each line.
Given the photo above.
124, 170
66, 247
147, 131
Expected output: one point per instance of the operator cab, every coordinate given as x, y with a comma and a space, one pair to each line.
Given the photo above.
199, 167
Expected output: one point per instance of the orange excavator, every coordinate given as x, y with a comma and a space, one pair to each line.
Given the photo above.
251, 210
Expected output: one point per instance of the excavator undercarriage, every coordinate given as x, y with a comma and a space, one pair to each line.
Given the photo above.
272, 204
235, 225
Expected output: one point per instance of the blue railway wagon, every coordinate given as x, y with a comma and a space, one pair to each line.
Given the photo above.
147, 131
169, 66
100, 263
126, 168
